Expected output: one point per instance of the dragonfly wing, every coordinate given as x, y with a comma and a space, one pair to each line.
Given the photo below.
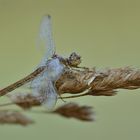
45, 89
43, 85
46, 38
36, 82
50, 96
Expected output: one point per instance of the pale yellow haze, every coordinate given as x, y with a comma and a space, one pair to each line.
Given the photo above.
106, 33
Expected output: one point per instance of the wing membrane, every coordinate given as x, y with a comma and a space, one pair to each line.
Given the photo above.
46, 38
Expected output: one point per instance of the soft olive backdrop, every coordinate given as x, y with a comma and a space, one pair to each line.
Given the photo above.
106, 33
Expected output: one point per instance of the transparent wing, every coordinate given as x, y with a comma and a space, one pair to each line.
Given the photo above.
53, 71
50, 95
43, 85
46, 38
46, 90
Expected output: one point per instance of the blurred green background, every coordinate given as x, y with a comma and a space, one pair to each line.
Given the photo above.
106, 33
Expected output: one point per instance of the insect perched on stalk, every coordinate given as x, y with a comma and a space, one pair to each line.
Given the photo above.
42, 80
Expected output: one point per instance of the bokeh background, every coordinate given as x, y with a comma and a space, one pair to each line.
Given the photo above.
106, 33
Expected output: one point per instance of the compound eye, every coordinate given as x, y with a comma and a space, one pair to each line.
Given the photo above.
74, 59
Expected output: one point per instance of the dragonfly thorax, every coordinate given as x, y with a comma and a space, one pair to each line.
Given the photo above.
54, 69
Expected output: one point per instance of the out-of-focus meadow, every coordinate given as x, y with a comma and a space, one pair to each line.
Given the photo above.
104, 32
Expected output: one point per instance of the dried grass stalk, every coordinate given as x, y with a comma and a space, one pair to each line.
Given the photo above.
72, 110
97, 83
14, 117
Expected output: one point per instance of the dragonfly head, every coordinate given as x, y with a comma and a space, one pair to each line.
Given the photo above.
74, 59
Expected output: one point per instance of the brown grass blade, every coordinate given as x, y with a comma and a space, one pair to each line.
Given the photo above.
14, 117
73, 110
25, 100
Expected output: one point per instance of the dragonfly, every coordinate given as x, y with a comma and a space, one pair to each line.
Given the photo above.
47, 72
42, 80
